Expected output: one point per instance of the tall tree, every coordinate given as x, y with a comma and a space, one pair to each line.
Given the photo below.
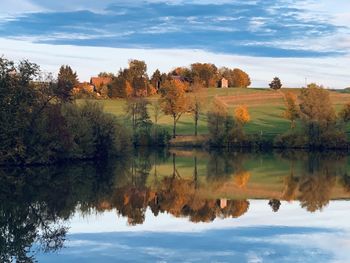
157, 113
156, 80
138, 77
174, 101
217, 118
121, 86
196, 104
317, 113
344, 114
67, 79
136, 110
292, 111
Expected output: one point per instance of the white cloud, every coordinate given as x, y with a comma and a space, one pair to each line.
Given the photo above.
88, 61
11, 7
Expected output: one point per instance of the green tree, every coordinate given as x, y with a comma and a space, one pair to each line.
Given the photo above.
275, 83
318, 114
156, 80
196, 104
217, 122
138, 78
66, 81
344, 114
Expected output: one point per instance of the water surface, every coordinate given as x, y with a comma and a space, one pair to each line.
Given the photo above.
179, 206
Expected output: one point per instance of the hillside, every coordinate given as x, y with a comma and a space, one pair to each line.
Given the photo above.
265, 106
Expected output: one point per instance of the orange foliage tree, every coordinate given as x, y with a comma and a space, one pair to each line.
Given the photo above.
240, 78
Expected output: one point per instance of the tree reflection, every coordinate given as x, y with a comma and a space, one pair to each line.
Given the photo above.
314, 186
36, 202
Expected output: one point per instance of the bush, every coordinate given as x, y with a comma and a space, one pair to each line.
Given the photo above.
95, 134
147, 137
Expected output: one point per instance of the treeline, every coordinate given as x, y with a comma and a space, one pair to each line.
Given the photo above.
41, 123
320, 127
135, 82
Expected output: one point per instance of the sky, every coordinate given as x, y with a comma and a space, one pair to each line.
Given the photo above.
298, 40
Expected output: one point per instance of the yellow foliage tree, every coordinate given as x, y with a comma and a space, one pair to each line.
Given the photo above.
174, 101
292, 111
241, 178
242, 115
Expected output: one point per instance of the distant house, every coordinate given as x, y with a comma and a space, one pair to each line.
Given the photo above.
223, 83
223, 203
83, 86
180, 78
99, 82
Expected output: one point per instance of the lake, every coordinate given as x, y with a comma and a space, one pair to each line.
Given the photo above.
179, 206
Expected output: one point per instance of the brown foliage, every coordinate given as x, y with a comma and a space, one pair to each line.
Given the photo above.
240, 78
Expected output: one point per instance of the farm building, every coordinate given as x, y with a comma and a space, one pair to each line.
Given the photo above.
223, 83
99, 82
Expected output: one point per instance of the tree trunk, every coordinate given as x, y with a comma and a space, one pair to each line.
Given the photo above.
174, 127
195, 173
196, 125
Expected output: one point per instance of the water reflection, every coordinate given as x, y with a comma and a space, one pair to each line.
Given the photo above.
37, 202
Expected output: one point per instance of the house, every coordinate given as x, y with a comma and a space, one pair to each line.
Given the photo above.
180, 78
223, 83
83, 87
223, 203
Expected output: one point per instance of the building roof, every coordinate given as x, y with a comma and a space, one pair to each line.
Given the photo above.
100, 81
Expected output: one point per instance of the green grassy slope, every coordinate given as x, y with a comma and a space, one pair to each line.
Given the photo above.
265, 106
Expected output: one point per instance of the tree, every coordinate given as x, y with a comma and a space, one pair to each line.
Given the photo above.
240, 78
121, 86
217, 117
157, 113
242, 115
316, 105
344, 114
138, 78
318, 114
292, 111
66, 81
106, 75
196, 104
136, 110
206, 73
275, 83
183, 72
156, 80
174, 101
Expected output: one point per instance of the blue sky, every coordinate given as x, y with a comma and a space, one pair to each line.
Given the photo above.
251, 32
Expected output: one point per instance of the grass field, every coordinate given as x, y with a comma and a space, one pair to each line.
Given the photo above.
265, 106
